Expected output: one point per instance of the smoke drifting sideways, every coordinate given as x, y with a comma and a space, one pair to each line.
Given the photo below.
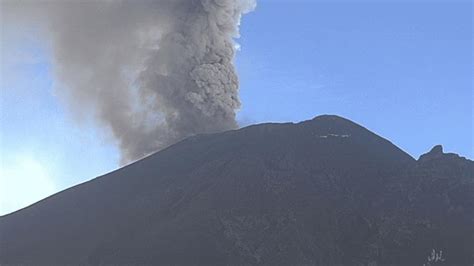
151, 72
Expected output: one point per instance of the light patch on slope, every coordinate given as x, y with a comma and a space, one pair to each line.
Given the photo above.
24, 180
334, 135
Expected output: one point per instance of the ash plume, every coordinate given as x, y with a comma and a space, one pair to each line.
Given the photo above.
151, 71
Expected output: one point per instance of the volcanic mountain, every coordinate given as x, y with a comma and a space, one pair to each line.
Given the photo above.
321, 192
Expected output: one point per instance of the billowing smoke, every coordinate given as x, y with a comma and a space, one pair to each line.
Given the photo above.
151, 71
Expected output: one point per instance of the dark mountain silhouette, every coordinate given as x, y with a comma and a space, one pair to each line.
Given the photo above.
321, 192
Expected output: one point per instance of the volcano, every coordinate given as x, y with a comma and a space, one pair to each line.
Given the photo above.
321, 192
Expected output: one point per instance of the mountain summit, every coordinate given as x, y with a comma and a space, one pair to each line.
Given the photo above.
321, 192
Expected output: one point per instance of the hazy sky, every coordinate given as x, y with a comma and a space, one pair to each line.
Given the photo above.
403, 69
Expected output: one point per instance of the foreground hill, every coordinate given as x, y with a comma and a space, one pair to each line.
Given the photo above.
321, 192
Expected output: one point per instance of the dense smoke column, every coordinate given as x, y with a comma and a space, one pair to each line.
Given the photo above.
192, 75
151, 72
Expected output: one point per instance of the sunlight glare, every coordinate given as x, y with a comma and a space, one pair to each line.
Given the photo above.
23, 181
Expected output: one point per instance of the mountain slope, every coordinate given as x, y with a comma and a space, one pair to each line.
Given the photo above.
325, 191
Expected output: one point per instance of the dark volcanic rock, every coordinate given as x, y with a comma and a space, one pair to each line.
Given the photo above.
320, 192
436, 152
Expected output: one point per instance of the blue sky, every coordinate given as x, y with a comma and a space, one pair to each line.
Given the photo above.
403, 69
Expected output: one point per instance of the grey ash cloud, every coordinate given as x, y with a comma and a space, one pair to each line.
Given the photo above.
151, 71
